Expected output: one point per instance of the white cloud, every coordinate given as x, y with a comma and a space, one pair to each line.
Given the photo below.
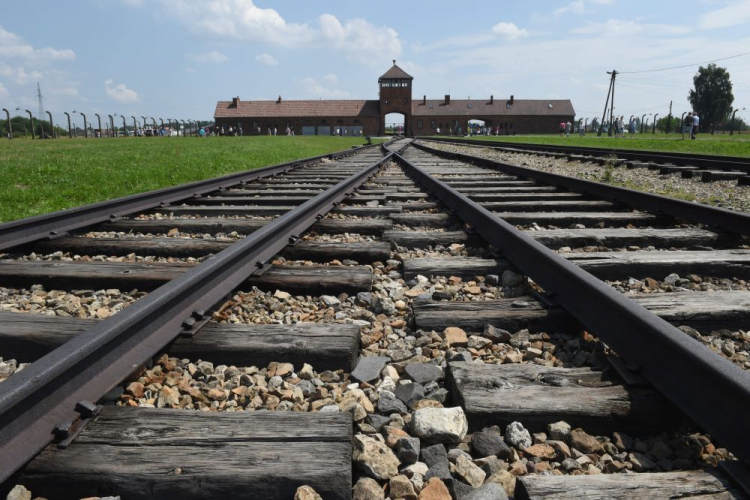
315, 88
331, 78
3, 91
13, 46
243, 20
208, 57
18, 74
619, 27
576, 7
267, 59
603, 2
120, 92
509, 31
737, 12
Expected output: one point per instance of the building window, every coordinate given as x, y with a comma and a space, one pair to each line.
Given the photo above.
432, 124
386, 101
419, 124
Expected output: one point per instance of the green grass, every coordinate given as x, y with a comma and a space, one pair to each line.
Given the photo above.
719, 144
45, 176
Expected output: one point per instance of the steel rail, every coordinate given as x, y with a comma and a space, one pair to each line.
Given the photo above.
704, 161
727, 220
20, 232
710, 389
34, 401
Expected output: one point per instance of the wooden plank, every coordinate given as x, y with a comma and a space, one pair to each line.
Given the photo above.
196, 247
436, 221
424, 239
493, 184
366, 252
563, 205
706, 484
472, 316
214, 225
704, 311
266, 192
619, 265
27, 337
537, 395
134, 452
721, 175
248, 200
64, 275
623, 237
542, 197
615, 219
215, 211
374, 227
367, 211
463, 267
498, 190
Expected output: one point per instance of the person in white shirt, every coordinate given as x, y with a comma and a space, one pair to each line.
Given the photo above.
696, 122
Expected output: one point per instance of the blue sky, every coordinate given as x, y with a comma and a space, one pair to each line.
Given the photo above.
176, 58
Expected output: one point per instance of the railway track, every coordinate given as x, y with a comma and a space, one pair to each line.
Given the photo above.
708, 168
409, 341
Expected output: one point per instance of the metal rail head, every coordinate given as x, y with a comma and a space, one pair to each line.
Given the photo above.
727, 220
710, 389
34, 401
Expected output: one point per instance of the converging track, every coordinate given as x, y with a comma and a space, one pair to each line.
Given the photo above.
437, 323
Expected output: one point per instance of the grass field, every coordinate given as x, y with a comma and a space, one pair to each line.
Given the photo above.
719, 144
45, 176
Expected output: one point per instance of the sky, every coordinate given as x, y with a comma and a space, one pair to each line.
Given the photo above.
176, 58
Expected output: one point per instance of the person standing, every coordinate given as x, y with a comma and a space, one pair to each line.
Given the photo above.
274, 131
696, 122
581, 128
562, 128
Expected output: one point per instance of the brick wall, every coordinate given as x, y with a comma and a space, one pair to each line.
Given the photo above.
509, 124
369, 124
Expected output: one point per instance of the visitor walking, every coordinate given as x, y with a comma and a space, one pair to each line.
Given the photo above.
696, 122
562, 128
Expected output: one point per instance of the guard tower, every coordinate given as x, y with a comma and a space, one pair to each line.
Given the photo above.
395, 96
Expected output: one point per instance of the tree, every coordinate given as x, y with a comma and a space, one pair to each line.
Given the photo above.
674, 123
712, 96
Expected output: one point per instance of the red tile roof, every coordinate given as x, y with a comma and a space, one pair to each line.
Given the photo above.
482, 107
396, 72
297, 109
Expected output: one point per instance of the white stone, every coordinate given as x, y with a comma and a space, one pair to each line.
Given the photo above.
439, 425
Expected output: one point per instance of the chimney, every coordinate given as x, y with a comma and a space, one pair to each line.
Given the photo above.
492, 99
235, 101
511, 99
424, 99
279, 101
447, 99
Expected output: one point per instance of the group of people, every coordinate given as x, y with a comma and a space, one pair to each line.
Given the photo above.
690, 126
565, 128
618, 125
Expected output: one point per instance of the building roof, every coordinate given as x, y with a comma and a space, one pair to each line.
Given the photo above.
297, 109
476, 108
396, 73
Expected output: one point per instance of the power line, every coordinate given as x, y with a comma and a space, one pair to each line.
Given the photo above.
684, 66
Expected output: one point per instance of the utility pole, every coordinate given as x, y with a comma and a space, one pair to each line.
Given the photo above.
612, 104
611, 92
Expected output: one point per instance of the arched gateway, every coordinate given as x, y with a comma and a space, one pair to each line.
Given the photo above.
354, 117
